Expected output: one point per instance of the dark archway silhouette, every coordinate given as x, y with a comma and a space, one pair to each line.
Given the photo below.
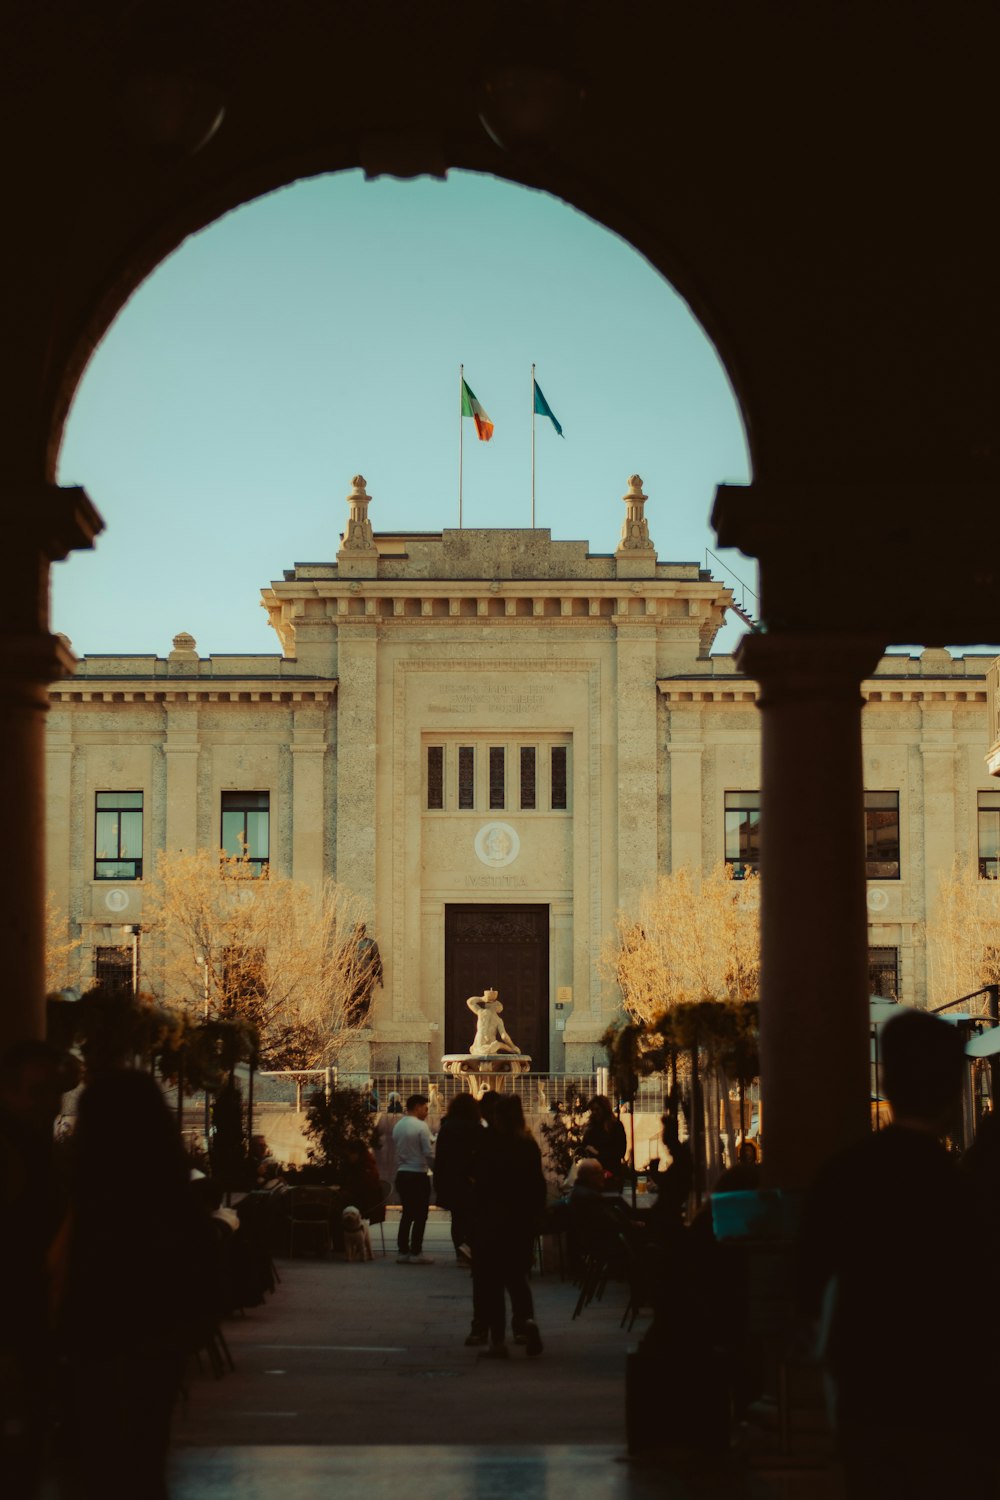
811, 183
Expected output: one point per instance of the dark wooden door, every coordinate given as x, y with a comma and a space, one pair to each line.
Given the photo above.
503, 948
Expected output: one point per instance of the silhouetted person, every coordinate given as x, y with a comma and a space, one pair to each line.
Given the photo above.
139, 1289
458, 1141
509, 1200
595, 1218
889, 1250
31, 1088
605, 1139
673, 1185
360, 1182
744, 1175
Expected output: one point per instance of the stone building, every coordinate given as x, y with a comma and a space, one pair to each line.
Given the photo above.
496, 740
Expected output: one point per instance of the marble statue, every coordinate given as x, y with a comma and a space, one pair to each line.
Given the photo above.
491, 1037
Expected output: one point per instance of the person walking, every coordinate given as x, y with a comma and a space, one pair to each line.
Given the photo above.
135, 1288
458, 1140
509, 1200
890, 1240
414, 1148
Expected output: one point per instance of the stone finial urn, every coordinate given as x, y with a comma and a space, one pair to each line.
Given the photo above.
184, 655
635, 527
358, 535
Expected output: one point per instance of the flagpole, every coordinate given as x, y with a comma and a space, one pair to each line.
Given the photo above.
532, 447
461, 393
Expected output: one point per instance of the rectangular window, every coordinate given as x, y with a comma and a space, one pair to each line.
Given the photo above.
743, 833
118, 836
883, 972
435, 776
466, 776
498, 777
559, 779
527, 776
882, 835
989, 835
113, 969
246, 818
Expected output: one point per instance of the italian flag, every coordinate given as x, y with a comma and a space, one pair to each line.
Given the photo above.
471, 408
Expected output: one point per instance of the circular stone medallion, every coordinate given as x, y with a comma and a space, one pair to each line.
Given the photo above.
497, 844
877, 900
116, 900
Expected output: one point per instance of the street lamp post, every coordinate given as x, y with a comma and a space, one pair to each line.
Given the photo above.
202, 963
133, 930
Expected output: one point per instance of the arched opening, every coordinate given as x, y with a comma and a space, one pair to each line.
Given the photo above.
318, 330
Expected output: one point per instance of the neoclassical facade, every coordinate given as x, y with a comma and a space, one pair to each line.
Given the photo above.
496, 740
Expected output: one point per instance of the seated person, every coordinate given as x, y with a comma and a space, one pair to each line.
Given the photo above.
605, 1140
744, 1177
595, 1219
673, 1186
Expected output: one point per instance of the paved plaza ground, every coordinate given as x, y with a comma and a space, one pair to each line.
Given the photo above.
354, 1379
374, 1353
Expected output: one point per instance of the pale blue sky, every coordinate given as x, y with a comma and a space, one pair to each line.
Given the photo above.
316, 334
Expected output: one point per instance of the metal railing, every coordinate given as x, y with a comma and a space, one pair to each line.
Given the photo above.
538, 1092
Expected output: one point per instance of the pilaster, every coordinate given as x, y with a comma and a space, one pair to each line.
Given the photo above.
356, 757
181, 751
637, 759
308, 750
685, 751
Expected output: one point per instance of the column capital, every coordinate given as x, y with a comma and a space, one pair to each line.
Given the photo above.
938, 580
30, 661
56, 519
39, 525
809, 665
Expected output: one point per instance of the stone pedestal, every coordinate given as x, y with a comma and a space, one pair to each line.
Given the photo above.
482, 1073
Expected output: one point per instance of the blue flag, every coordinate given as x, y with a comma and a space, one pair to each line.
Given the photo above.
543, 409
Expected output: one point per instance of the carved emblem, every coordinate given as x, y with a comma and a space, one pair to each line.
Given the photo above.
497, 844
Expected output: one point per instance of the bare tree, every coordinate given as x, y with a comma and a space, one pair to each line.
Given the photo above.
691, 937
277, 952
963, 936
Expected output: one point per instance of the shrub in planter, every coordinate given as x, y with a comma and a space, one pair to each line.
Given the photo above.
332, 1120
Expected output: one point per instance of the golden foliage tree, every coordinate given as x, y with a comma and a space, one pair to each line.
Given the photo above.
691, 937
290, 959
963, 937
59, 946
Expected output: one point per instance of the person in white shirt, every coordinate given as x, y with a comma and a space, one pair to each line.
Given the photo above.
414, 1148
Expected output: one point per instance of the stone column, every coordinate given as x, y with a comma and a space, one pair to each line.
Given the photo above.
814, 945
40, 525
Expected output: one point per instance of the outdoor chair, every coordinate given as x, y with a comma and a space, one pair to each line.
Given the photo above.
309, 1219
642, 1263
